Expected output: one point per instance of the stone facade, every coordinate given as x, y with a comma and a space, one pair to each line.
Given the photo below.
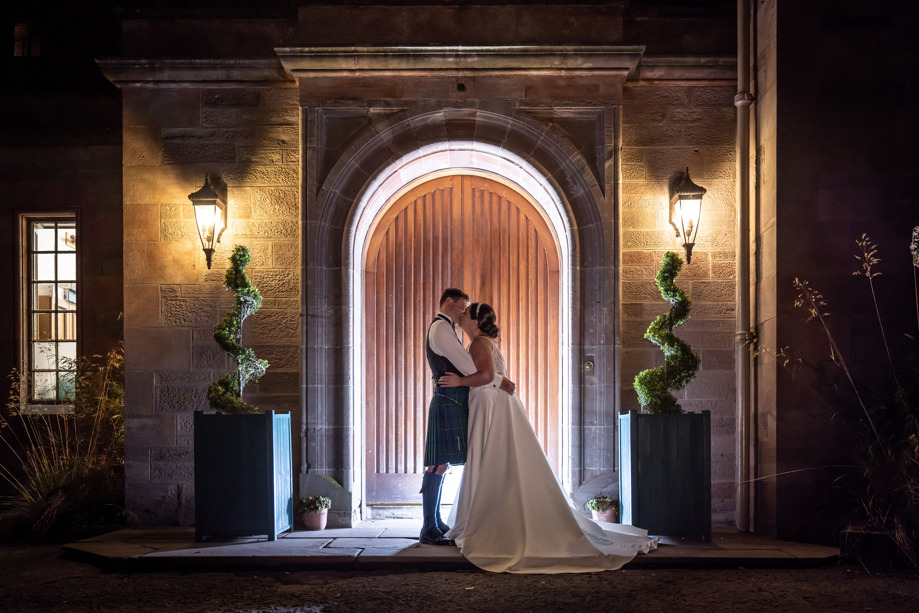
666, 127
199, 93
296, 144
829, 168
54, 162
246, 138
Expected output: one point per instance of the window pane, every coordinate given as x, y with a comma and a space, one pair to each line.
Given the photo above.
66, 237
43, 236
42, 326
67, 355
44, 386
65, 387
67, 326
43, 267
44, 356
67, 267
41, 296
67, 296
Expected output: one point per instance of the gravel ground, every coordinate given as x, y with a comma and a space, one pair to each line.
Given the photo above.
35, 578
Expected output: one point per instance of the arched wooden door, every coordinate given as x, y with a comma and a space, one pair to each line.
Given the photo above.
479, 235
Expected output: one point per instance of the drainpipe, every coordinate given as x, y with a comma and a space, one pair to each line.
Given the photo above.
743, 99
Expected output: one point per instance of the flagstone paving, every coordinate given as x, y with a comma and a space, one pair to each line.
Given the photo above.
393, 543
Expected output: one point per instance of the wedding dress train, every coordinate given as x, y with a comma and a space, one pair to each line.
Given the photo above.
511, 514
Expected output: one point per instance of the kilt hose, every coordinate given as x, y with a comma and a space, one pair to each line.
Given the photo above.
448, 416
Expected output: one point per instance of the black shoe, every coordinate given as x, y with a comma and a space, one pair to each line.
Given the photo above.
443, 527
433, 536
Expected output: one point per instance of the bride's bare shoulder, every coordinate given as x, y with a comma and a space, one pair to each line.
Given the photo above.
483, 340
483, 344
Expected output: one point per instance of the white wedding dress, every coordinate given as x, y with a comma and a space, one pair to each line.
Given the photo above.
511, 514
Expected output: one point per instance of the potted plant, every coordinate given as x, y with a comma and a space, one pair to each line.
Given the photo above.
604, 508
243, 476
314, 511
665, 454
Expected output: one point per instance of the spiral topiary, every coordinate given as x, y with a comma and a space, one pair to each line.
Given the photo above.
226, 394
654, 385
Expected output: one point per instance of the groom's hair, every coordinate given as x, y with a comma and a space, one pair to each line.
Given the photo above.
452, 293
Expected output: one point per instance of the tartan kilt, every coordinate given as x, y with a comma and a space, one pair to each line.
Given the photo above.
448, 416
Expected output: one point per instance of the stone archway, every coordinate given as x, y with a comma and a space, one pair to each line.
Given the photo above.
350, 182
392, 482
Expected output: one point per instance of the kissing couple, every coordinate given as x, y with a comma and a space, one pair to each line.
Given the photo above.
511, 512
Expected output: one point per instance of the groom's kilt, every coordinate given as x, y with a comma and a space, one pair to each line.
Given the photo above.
448, 416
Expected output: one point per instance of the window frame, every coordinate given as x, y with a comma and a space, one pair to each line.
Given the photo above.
27, 37
26, 309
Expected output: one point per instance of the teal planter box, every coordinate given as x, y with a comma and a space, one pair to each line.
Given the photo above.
243, 475
665, 478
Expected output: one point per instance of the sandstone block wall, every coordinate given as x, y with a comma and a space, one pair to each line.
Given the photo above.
666, 128
610, 162
248, 139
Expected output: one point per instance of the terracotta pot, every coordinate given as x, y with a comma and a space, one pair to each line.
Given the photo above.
314, 520
609, 515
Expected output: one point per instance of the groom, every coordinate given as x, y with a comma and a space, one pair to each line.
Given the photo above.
448, 412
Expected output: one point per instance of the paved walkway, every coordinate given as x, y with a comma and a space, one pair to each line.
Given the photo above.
393, 544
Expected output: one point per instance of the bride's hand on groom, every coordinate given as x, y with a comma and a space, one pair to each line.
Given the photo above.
451, 379
508, 386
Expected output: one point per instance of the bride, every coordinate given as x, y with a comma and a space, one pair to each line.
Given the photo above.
511, 513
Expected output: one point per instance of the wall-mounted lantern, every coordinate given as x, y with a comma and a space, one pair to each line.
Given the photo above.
685, 210
210, 217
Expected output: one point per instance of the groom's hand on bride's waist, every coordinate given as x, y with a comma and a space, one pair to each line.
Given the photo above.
508, 386
451, 379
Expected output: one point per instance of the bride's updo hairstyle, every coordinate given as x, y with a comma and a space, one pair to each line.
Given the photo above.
485, 316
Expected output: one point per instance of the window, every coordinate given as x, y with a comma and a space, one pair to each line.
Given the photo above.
26, 41
50, 350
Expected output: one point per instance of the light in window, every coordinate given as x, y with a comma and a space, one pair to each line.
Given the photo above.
52, 305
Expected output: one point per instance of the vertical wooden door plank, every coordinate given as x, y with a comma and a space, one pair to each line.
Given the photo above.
472, 233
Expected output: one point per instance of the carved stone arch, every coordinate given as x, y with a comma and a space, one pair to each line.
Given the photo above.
331, 426
543, 144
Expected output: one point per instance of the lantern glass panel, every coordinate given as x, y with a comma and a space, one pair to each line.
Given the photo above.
688, 211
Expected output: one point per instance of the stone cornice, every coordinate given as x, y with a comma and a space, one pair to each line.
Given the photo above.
124, 72
695, 68
621, 61
451, 61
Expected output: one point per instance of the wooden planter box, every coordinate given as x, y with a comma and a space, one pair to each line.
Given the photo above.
243, 475
665, 481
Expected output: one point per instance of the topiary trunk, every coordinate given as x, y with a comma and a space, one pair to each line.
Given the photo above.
654, 385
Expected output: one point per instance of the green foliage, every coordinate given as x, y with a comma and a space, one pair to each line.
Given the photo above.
313, 503
603, 503
69, 467
654, 385
226, 394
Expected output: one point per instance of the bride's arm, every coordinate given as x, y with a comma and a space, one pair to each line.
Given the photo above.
484, 360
